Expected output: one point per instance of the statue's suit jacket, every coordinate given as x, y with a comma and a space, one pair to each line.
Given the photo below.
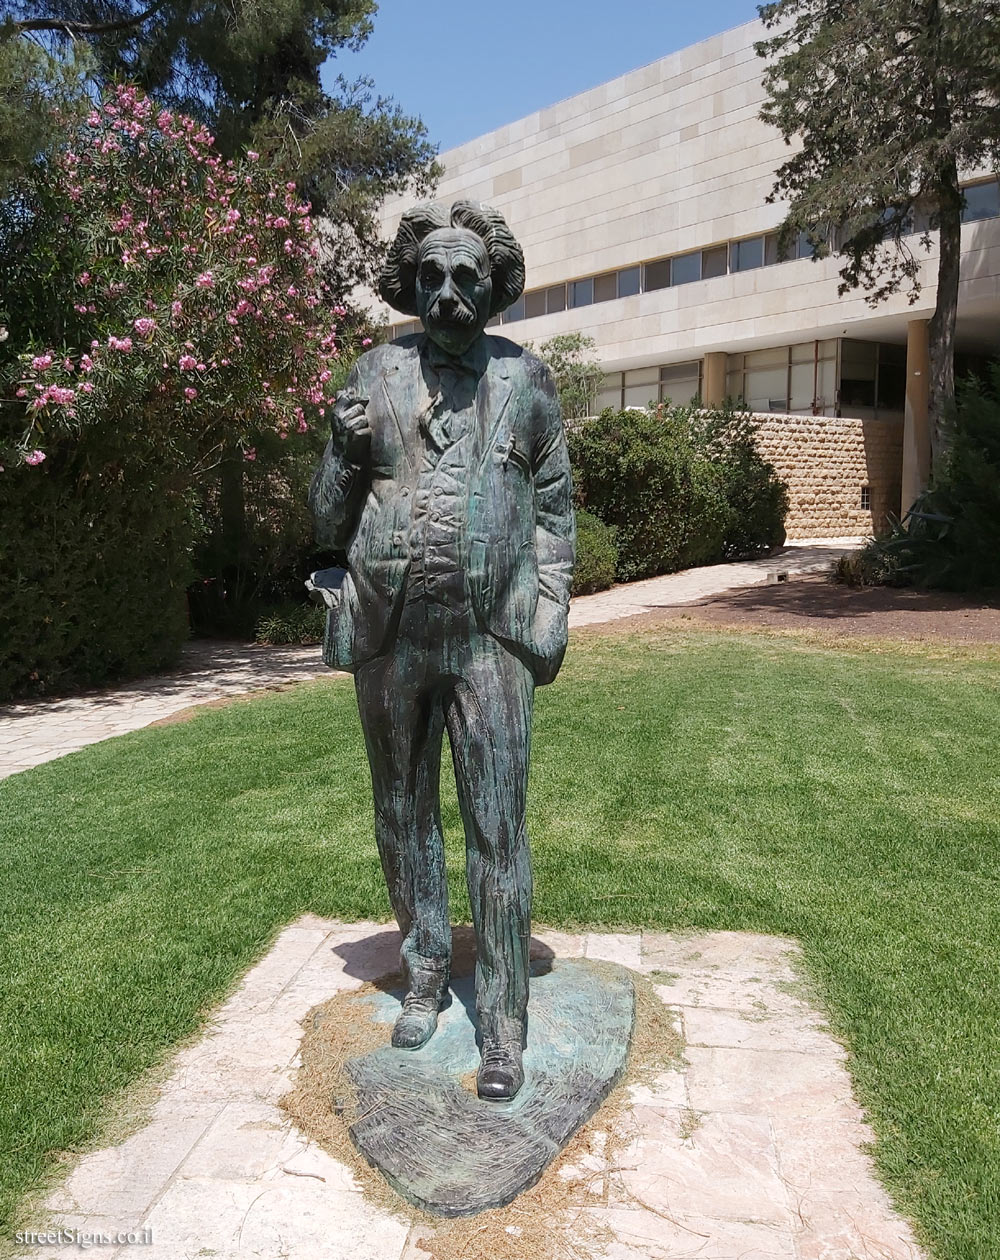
519, 525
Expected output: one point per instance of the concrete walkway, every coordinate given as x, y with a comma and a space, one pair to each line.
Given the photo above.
36, 731
751, 1149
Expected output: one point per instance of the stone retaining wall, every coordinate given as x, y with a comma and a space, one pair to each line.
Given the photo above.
826, 462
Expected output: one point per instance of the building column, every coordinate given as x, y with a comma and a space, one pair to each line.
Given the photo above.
916, 423
713, 379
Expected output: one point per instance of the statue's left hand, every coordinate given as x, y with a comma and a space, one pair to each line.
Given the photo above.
351, 428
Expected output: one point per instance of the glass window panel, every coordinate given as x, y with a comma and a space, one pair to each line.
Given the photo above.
891, 395
826, 385
534, 304
714, 262
747, 254
681, 389
514, 312
982, 201
804, 352
772, 254
643, 376
555, 298
734, 384
494, 322
858, 359
657, 275
892, 354
581, 292
628, 282
685, 268
606, 286
803, 247
641, 395
767, 388
610, 392
801, 387
776, 357
828, 349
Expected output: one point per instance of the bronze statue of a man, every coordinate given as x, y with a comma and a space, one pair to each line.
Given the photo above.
447, 481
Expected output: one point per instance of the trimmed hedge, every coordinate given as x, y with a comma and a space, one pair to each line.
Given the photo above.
596, 555
92, 576
681, 487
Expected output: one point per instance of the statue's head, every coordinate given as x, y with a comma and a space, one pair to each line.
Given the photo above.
454, 269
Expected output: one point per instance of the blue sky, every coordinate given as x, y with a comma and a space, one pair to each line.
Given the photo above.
467, 68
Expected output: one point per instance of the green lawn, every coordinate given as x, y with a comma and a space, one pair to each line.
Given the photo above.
847, 798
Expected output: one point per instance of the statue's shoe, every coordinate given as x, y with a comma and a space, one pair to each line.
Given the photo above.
416, 1022
501, 1073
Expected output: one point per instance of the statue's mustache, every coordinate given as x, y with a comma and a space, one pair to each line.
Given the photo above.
461, 313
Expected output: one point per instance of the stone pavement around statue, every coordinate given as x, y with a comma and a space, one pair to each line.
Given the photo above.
32, 732
750, 1149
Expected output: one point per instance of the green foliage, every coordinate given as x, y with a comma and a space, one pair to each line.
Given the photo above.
885, 101
93, 569
596, 555
576, 372
292, 623
950, 538
251, 72
681, 487
38, 97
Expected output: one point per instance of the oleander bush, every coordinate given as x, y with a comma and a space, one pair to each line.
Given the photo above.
164, 316
681, 486
596, 555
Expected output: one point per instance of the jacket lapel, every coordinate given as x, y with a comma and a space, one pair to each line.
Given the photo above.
494, 395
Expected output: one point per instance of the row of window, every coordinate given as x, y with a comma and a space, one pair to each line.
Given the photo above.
982, 202
833, 377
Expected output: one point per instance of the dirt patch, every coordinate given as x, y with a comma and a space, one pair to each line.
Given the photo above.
549, 1221
814, 604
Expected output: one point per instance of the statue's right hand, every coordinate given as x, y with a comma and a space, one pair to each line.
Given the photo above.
351, 430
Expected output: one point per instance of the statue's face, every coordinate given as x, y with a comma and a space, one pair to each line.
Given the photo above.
454, 288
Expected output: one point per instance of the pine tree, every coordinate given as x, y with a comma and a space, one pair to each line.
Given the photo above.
889, 101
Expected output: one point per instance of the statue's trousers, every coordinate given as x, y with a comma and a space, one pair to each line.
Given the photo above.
445, 673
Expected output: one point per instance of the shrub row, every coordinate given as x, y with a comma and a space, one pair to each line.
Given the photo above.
680, 486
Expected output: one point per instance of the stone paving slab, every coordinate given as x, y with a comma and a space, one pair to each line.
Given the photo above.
751, 1150
36, 731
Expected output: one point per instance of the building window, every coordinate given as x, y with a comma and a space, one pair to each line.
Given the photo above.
685, 268
748, 254
534, 304
866, 498
514, 312
610, 392
714, 262
982, 201
680, 383
606, 287
656, 275
555, 299
641, 387
628, 282
581, 292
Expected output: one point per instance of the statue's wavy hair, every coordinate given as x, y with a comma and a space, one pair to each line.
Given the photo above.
397, 284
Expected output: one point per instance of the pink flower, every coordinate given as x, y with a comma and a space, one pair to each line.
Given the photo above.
175, 309
83, 278
252, 156
205, 281
187, 363
366, 341
41, 361
190, 394
34, 457
250, 453
124, 344
144, 326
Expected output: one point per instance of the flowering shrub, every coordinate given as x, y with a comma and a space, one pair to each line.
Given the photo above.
164, 309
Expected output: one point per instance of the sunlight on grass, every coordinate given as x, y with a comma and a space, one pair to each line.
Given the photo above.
689, 779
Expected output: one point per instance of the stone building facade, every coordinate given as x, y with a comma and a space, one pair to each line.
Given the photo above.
642, 208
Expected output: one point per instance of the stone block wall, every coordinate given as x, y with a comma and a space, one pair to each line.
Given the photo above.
826, 462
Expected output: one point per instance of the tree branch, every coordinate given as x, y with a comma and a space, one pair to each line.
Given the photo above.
85, 28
